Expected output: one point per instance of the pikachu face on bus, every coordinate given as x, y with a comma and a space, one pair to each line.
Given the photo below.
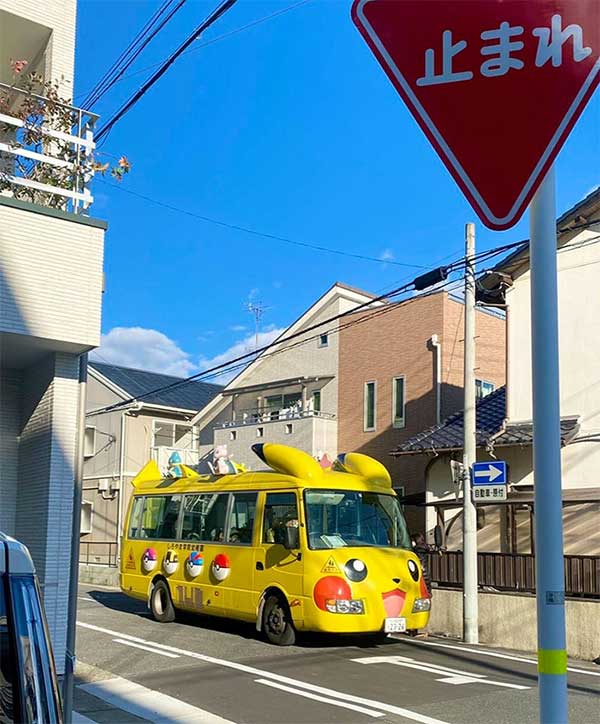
293, 548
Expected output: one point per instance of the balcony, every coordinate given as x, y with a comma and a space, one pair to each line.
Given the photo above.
46, 150
161, 454
313, 431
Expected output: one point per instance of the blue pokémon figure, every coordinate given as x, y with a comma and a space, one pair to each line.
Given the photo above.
175, 469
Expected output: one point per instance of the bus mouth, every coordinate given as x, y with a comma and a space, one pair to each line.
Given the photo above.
393, 602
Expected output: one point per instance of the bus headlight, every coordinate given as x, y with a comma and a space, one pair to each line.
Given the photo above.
421, 604
345, 605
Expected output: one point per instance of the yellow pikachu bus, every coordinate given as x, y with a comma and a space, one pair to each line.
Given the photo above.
296, 548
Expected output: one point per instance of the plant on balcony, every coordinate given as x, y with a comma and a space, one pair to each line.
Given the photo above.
37, 103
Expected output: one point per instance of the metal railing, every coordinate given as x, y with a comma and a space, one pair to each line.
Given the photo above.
100, 553
39, 159
254, 416
515, 572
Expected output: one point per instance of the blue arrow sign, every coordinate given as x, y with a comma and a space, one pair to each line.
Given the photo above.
492, 473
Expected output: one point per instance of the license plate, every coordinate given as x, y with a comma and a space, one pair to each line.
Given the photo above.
395, 625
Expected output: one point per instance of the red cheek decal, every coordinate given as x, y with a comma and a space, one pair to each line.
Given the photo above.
330, 587
393, 601
424, 590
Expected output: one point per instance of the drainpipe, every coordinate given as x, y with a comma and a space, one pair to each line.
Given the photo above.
437, 346
120, 504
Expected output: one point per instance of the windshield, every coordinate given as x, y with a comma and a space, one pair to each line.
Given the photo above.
338, 518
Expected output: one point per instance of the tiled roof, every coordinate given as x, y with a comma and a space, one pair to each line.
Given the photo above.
491, 429
136, 383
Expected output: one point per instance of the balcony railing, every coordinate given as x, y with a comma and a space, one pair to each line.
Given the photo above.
254, 416
161, 455
100, 553
46, 150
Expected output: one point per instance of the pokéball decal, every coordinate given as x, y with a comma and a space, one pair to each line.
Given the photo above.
221, 567
149, 560
194, 564
413, 569
171, 562
355, 570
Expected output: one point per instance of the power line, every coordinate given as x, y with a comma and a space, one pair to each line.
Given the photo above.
265, 235
218, 38
224, 7
131, 54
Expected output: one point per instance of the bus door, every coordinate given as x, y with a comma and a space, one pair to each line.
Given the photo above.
275, 565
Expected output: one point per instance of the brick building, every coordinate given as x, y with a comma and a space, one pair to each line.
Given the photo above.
402, 372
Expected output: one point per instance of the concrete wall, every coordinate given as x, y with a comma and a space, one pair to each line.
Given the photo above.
499, 612
579, 336
50, 277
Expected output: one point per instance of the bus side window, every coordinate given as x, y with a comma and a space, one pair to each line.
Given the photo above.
166, 528
193, 518
242, 517
280, 509
135, 518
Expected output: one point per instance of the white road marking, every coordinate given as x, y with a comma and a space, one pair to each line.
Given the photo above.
149, 704
78, 718
448, 675
495, 654
316, 697
146, 648
84, 598
377, 705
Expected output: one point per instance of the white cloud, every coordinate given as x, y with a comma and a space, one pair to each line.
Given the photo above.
248, 344
146, 349
387, 255
238, 328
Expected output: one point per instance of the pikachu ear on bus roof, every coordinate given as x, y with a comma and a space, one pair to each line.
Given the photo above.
150, 473
363, 466
288, 460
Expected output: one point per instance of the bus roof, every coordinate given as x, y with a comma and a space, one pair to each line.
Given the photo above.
290, 468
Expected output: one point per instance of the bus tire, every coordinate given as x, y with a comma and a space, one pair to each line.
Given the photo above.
161, 603
277, 622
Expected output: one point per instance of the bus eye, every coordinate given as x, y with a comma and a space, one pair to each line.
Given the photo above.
355, 570
413, 570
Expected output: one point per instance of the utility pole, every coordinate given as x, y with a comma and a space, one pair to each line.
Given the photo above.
549, 559
470, 604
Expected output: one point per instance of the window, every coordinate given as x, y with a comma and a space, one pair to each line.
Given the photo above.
483, 388
135, 518
173, 434
241, 523
280, 509
275, 404
260, 431
233, 435
159, 517
370, 405
323, 340
398, 401
87, 511
289, 428
316, 398
204, 517
89, 442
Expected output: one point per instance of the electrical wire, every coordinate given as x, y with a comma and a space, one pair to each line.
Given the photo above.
133, 56
223, 8
265, 235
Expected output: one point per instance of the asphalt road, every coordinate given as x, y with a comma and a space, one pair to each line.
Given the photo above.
227, 669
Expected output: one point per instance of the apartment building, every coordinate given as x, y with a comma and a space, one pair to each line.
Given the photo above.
51, 256
401, 372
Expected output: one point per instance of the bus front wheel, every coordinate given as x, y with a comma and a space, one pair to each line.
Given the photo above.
161, 604
277, 622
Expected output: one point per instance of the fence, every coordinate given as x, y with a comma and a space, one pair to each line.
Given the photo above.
515, 572
101, 553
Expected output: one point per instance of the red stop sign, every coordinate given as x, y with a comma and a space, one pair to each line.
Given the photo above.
496, 85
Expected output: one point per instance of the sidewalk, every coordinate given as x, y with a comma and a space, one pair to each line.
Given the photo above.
103, 698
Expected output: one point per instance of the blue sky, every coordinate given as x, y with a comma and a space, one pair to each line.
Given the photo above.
289, 128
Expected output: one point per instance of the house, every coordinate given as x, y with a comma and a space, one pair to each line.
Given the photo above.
153, 424
402, 371
504, 419
290, 393
51, 257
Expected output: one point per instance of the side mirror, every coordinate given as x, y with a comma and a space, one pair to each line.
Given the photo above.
437, 536
291, 540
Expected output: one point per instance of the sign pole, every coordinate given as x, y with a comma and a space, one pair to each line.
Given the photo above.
470, 612
549, 561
